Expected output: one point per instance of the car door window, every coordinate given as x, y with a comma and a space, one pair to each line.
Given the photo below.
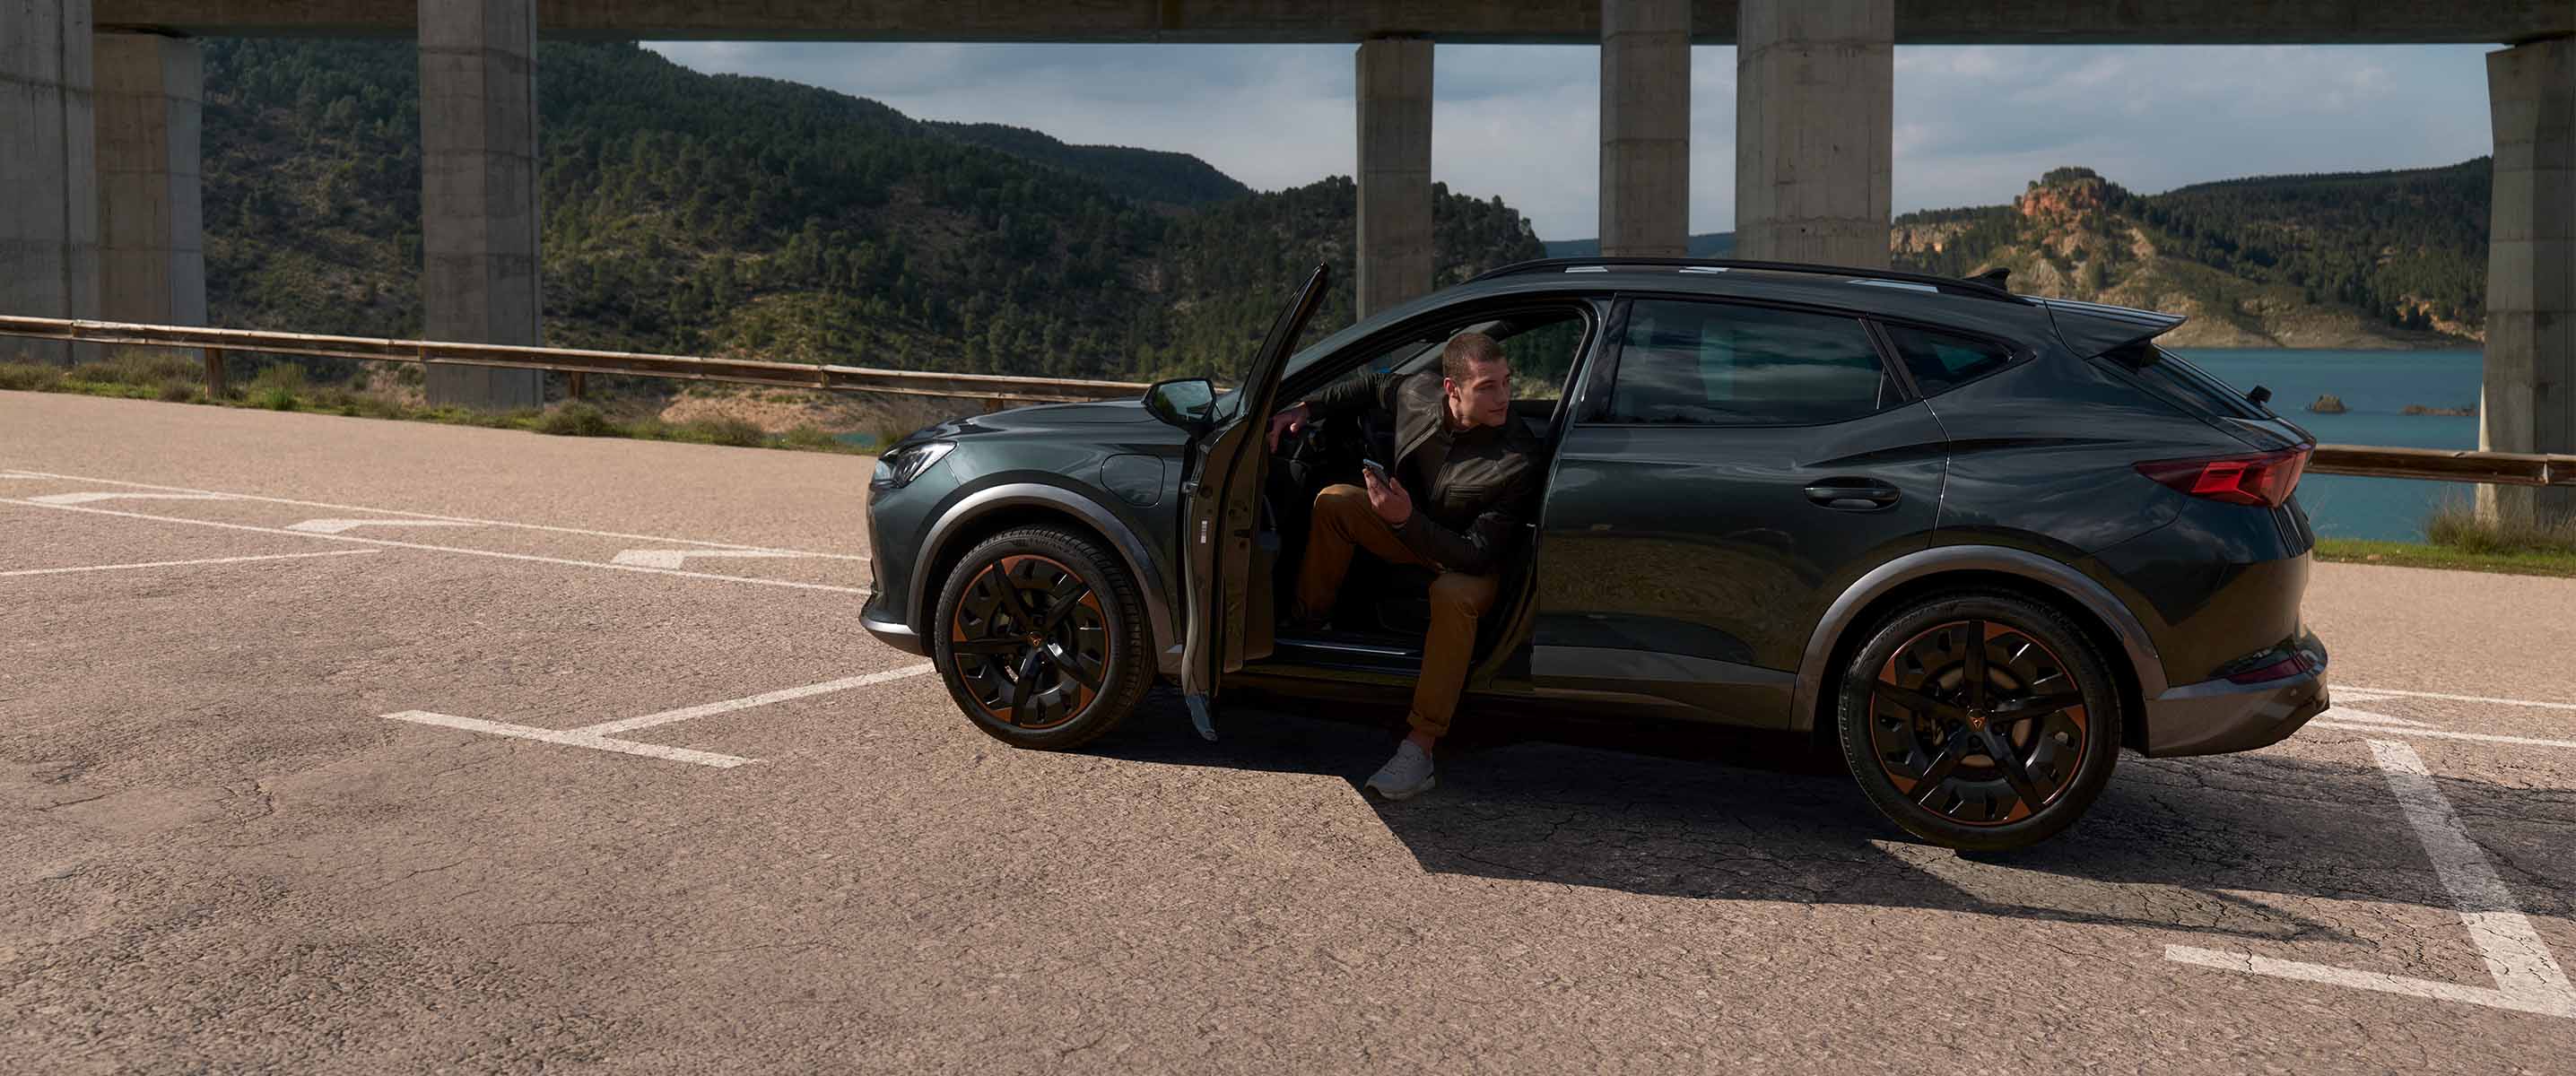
1717, 364
1940, 361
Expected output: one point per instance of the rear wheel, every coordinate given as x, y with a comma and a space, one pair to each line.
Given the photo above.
1980, 720
1041, 638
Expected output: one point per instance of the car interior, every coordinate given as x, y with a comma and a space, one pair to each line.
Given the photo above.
1383, 613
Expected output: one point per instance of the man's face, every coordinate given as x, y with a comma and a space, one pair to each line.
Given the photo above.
1485, 399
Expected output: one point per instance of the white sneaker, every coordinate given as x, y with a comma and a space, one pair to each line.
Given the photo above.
1406, 775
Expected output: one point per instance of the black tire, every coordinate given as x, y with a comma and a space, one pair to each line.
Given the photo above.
1905, 709
1101, 633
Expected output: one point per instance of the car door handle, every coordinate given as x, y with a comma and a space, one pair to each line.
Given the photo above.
1852, 494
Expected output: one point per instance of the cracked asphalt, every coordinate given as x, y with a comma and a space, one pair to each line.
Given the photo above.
218, 854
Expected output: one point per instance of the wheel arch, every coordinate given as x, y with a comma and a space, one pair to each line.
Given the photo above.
994, 509
2109, 625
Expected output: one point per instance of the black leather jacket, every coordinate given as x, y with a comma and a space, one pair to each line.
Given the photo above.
1481, 494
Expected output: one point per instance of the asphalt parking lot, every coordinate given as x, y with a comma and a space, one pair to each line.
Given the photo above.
337, 745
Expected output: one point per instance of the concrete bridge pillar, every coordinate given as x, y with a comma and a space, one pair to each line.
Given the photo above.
48, 169
478, 203
1815, 99
1394, 254
1645, 127
2529, 400
152, 260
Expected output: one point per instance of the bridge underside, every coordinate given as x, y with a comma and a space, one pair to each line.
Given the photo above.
102, 102
1536, 22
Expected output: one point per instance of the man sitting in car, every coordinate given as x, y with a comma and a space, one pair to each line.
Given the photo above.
1451, 498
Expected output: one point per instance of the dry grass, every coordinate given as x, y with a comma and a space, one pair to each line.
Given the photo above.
2456, 525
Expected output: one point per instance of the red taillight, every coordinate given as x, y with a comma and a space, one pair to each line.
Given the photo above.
2263, 481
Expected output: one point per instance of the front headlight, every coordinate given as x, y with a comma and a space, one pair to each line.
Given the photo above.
897, 469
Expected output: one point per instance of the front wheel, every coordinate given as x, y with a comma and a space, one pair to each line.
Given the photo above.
1041, 638
1982, 721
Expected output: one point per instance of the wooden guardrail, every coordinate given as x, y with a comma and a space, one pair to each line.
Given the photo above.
215, 342
2463, 465
2502, 468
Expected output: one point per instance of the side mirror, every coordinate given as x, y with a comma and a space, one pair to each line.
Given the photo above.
1183, 403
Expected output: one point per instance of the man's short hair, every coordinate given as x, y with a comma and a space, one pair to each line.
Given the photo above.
1464, 349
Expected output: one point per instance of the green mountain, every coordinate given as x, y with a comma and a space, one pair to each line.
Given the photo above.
1147, 175
2350, 260
724, 214
1705, 245
2353, 259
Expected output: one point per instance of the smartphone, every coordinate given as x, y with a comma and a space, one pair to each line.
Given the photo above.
1378, 469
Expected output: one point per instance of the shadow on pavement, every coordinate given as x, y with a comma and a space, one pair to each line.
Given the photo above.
1694, 811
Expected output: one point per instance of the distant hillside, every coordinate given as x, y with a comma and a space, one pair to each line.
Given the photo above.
2346, 260
750, 216
1146, 175
1710, 245
2350, 260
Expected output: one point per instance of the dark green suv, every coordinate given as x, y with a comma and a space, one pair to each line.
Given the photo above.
1984, 540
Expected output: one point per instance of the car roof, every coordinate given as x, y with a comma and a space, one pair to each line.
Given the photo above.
1904, 296
1973, 306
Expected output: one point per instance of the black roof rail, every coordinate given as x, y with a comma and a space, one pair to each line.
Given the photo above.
1947, 284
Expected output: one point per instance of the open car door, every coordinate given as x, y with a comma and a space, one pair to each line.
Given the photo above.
1222, 512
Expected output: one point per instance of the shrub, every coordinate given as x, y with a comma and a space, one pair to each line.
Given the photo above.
280, 375
740, 433
576, 419
883, 433
139, 367
178, 392
2456, 524
29, 376
810, 437
273, 397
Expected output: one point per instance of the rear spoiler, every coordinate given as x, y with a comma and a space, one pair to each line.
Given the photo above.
2095, 328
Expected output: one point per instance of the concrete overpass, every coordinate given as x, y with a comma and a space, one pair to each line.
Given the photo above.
99, 103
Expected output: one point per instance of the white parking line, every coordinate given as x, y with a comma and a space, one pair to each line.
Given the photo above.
630, 724
430, 515
2439, 734
2365, 694
390, 543
183, 563
673, 558
597, 738
2527, 978
2371, 717
343, 526
571, 739
86, 498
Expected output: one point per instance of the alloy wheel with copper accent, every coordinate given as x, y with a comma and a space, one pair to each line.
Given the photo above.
1981, 720
1040, 632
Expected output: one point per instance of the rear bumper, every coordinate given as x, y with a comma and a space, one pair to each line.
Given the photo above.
889, 629
2216, 717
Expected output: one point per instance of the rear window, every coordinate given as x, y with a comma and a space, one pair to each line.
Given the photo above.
2194, 389
1940, 361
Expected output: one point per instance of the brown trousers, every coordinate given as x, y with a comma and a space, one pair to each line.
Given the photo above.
1343, 520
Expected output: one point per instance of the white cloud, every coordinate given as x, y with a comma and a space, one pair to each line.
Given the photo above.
1973, 124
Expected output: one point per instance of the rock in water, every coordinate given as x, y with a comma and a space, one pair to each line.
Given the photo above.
2328, 404
2454, 412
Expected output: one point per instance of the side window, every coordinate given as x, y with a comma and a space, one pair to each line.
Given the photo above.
1715, 364
1541, 353
1539, 345
1940, 361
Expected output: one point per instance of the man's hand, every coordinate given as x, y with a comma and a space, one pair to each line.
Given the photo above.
1288, 421
1388, 497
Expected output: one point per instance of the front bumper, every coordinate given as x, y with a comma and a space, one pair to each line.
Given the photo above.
889, 628
2216, 717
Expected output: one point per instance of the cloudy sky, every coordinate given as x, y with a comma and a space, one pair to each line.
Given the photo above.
1973, 123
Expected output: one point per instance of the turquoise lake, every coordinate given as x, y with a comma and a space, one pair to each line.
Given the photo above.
2376, 386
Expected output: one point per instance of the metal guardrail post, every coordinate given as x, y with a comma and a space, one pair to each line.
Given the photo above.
214, 375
